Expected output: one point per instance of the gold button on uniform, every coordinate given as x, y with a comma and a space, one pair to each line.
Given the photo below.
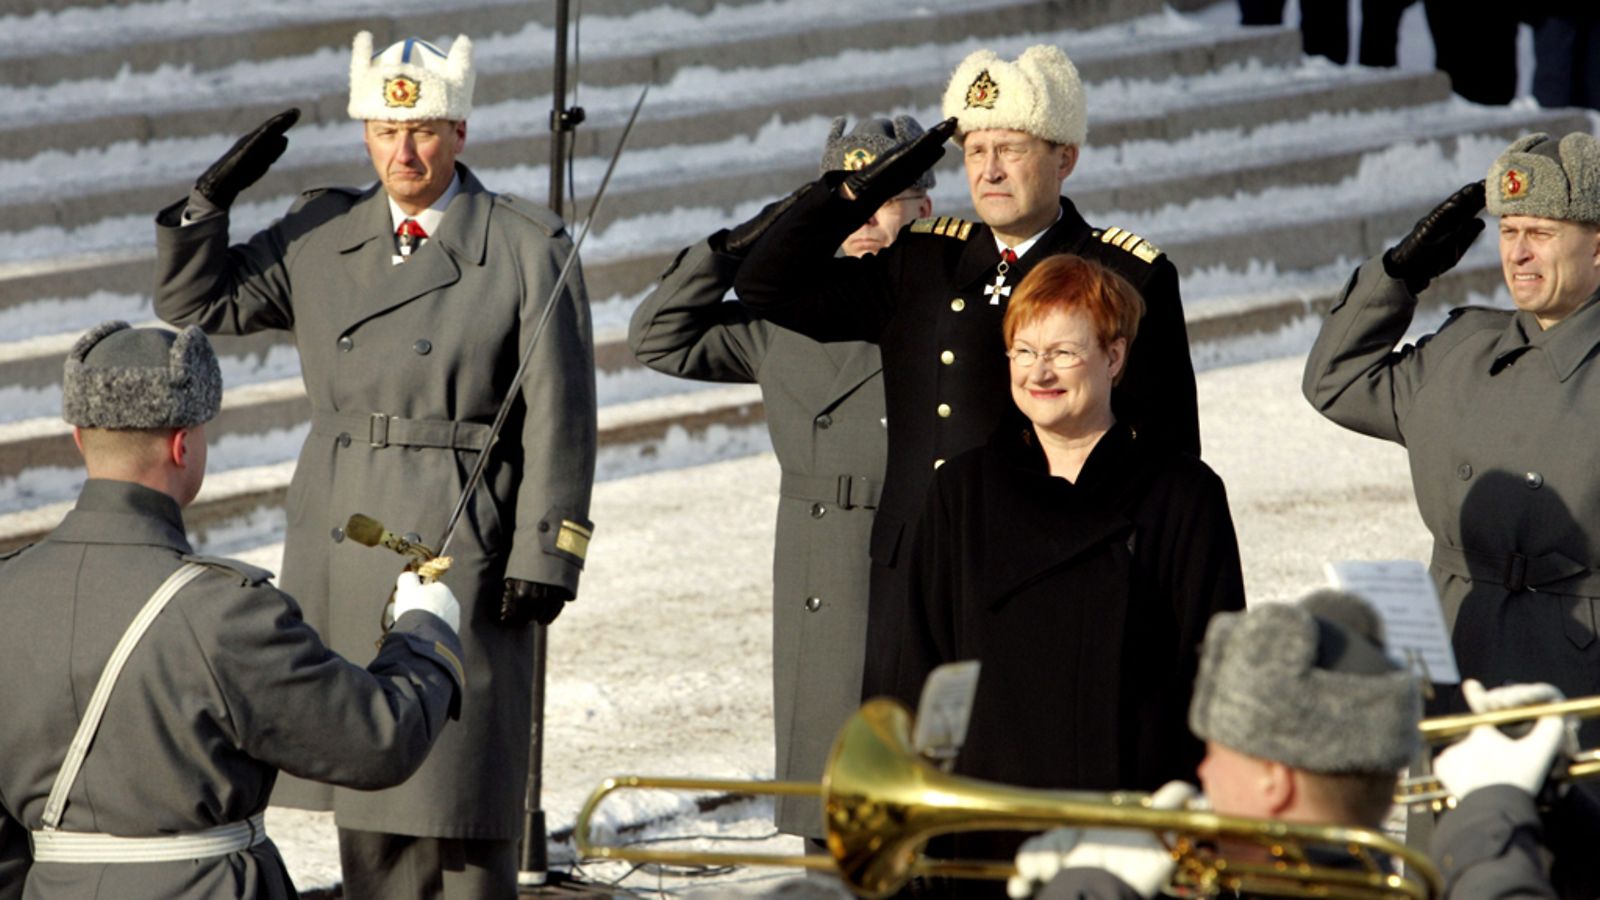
944, 410
958, 304
947, 357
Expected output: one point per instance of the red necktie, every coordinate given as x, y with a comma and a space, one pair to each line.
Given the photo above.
408, 236
1008, 256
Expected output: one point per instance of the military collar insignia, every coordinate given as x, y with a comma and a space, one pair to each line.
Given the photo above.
982, 92
401, 91
1142, 249
858, 159
1514, 184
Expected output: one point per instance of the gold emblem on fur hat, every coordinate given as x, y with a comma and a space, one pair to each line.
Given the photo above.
983, 92
1513, 184
401, 91
857, 159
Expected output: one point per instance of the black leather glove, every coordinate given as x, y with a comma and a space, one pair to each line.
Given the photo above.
1438, 241
900, 168
738, 240
531, 601
247, 160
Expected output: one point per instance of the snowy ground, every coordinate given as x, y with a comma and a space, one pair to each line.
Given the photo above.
663, 666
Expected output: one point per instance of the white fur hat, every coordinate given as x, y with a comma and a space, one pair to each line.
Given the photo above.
1039, 94
410, 80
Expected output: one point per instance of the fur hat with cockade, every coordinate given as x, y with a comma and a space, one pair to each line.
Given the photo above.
410, 80
1540, 176
870, 139
120, 377
1309, 685
1039, 94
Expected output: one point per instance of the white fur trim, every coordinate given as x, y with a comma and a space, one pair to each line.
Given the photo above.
1040, 94
410, 80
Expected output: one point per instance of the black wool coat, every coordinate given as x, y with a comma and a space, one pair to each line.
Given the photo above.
1086, 603
922, 300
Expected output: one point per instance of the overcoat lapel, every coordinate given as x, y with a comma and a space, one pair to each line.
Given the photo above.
461, 239
1036, 523
854, 363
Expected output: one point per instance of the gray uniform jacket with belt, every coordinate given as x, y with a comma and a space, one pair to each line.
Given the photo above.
824, 405
228, 686
1497, 418
405, 366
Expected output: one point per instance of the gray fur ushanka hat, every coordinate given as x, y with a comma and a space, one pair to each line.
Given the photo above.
870, 139
120, 377
1540, 176
1307, 684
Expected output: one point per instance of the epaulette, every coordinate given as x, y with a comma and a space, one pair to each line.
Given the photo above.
252, 576
1126, 240
944, 226
536, 213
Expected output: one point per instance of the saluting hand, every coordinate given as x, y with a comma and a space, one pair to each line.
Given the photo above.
247, 160
1438, 240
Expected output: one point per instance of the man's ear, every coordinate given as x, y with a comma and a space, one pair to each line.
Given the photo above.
1278, 787
77, 438
178, 447
925, 207
1068, 161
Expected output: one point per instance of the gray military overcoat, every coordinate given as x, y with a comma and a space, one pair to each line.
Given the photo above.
1497, 417
228, 686
431, 345
824, 405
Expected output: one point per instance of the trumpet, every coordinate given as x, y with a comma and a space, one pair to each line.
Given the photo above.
882, 803
1426, 790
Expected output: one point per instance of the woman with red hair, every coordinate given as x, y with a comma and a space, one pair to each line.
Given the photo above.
1076, 561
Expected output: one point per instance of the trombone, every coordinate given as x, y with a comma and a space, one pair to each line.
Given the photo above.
882, 803
1426, 789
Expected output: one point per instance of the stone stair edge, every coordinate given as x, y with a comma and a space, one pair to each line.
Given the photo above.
229, 115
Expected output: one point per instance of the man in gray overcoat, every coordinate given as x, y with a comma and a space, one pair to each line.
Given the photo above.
1494, 410
411, 303
190, 680
824, 405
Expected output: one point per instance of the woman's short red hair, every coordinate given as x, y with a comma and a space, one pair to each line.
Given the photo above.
1066, 282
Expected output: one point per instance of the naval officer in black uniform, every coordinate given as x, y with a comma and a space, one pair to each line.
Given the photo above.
934, 300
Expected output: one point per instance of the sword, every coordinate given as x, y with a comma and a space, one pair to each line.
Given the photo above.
544, 317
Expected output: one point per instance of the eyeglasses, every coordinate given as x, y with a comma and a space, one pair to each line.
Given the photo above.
1059, 359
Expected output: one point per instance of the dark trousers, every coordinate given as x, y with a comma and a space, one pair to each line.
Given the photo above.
1475, 43
1324, 24
1380, 31
402, 867
1566, 52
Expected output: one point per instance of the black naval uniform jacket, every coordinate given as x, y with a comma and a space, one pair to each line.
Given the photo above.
945, 372
1086, 603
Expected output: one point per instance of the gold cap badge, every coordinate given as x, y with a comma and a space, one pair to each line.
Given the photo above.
983, 91
858, 159
1513, 184
401, 91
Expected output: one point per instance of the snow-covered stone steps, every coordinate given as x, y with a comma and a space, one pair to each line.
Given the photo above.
68, 39
710, 60
711, 156
634, 437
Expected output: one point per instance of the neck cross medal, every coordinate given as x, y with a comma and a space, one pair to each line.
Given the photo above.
999, 289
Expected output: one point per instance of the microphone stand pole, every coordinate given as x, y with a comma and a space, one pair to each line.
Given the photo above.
534, 865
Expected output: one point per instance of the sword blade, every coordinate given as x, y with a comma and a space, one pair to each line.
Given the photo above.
544, 318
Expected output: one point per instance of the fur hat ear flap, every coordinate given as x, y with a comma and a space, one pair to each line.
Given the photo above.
360, 57
836, 130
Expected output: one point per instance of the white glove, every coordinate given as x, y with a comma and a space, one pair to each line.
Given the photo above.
1481, 700
1487, 757
410, 593
1134, 856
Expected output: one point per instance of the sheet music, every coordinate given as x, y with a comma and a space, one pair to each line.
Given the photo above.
1405, 598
